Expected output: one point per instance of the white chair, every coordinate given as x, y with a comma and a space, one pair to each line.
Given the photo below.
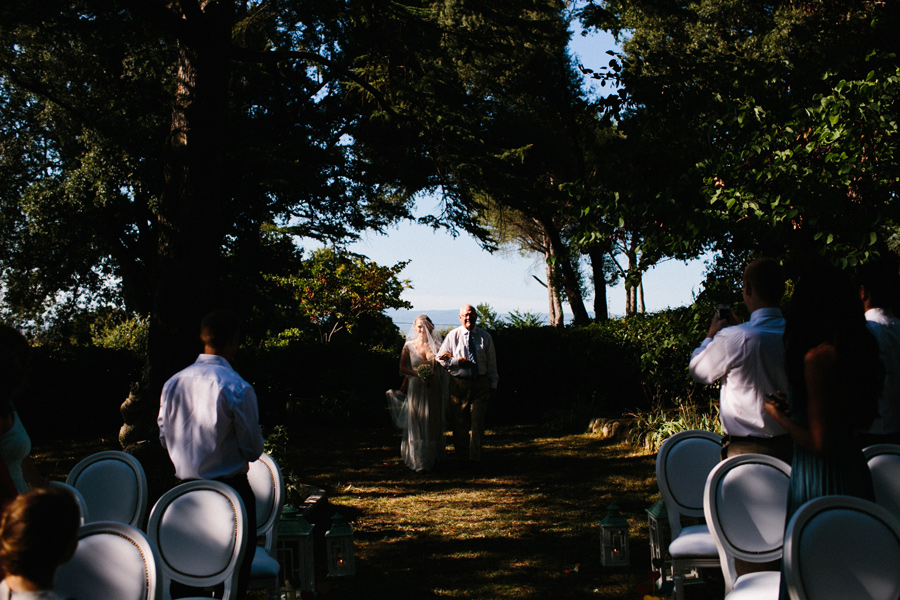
198, 529
114, 487
884, 464
682, 465
268, 487
745, 503
842, 547
113, 560
82, 503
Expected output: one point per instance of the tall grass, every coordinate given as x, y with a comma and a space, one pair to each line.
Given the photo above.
652, 428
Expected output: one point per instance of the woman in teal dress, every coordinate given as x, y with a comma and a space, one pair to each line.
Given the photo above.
835, 377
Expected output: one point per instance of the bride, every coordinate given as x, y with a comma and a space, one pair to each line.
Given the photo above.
421, 419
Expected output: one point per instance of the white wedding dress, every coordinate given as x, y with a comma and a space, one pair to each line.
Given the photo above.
423, 434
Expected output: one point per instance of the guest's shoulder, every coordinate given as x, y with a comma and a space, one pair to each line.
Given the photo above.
823, 356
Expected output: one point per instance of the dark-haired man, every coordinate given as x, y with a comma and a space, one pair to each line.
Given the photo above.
879, 290
748, 358
209, 421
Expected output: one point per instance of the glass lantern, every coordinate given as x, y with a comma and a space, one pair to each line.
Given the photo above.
295, 549
660, 535
339, 548
614, 542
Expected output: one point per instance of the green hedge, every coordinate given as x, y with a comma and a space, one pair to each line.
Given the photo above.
76, 392
566, 375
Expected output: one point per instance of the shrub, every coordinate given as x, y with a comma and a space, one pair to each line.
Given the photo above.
123, 334
652, 428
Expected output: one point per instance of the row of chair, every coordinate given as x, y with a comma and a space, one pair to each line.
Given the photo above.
833, 547
193, 534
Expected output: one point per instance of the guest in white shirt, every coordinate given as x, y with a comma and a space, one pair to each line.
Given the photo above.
748, 358
209, 421
879, 289
469, 356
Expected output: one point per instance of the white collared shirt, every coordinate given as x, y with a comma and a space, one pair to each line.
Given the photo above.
209, 420
457, 343
749, 360
886, 329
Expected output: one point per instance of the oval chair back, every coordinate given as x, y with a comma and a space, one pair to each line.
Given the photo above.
745, 503
842, 547
682, 465
112, 560
198, 529
268, 488
114, 487
884, 465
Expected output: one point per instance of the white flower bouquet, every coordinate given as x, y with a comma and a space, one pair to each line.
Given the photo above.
425, 371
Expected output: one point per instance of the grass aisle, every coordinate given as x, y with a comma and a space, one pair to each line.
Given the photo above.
524, 526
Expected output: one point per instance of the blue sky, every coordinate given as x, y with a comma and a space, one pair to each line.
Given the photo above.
446, 272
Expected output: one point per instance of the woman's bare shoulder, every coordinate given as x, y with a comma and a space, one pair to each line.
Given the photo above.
822, 356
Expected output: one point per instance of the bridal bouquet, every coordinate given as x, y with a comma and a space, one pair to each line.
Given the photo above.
425, 371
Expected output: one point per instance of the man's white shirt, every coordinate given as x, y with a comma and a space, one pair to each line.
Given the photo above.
886, 329
749, 359
209, 420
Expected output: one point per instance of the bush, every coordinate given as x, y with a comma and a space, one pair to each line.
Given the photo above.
337, 382
563, 377
610, 368
652, 428
77, 391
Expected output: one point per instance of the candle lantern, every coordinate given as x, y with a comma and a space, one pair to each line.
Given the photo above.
339, 548
614, 545
295, 549
660, 535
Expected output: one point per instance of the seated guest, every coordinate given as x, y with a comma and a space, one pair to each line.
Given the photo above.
38, 532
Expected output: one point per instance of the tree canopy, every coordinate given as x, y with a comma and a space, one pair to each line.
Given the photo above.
771, 124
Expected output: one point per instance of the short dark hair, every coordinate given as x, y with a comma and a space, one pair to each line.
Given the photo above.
881, 278
14, 361
219, 328
38, 532
766, 277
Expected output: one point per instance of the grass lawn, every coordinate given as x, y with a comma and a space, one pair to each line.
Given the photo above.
524, 526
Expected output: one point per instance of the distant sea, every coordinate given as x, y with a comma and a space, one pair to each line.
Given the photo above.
442, 319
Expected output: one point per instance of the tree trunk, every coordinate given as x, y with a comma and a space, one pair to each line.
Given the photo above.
601, 304
570, 282
640, 287
193, 208
556, 313
632, 288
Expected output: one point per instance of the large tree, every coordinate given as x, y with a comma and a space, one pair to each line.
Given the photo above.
146, 143
522, 128
775, 120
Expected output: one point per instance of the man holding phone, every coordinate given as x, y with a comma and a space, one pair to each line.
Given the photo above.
748, 358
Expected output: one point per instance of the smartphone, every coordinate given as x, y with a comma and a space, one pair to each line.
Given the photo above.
780, 402
724, 311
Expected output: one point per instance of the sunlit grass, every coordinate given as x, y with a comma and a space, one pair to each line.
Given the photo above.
524, 527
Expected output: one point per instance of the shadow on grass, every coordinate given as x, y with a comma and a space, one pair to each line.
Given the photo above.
525, 525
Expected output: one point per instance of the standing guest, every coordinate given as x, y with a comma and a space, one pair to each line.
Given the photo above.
38, 532
209, 421
749, 360
834, 381
468, 354
15, 443
879, 289
421, 421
